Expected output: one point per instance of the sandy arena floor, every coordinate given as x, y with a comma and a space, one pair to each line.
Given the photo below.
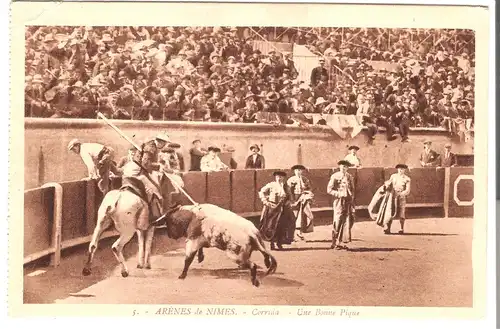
428, 266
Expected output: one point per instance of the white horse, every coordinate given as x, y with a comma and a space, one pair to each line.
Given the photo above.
123, 208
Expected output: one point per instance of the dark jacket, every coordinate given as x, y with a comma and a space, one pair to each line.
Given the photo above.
258, 164
196, 156
449, 161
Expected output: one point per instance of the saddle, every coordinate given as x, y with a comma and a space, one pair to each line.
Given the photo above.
136, 186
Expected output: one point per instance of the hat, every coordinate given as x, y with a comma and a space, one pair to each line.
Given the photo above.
49, 38
447, 146
427, 142
215, 66
353, 147
214, 148
320, 101
249, 95
279, 173
107, 38
196, 140
403, 166
344, 162
37, 78
73, 143
78, 84
163, 137
298, 166
272, 96
94, 83
255, 146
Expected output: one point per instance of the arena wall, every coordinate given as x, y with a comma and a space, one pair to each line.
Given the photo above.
65, 216
48, 160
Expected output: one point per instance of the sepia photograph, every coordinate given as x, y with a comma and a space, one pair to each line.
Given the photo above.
320, 166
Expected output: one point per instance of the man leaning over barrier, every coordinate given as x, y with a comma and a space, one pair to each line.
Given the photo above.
99, 161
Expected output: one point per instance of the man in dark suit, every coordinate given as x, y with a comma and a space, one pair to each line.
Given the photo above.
196, 153
255, 160
290, 65
429, 157
448, 159
319, 73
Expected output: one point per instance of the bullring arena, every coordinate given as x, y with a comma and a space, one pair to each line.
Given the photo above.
294, 95
430, 265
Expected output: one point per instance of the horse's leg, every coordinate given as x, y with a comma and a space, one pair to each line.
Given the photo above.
149, 242
141, 216
117, 248
192, 247
201, 256
140, 255
103, 223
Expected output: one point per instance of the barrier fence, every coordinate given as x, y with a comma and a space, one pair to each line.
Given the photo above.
58, 216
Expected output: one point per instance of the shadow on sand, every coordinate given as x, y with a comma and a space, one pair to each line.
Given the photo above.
326, 241
244, 274
362, 249
425, 234
301, 249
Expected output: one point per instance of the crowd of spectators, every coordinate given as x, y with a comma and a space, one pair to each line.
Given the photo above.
422, 77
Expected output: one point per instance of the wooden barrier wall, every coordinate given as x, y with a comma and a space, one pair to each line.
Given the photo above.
451, 189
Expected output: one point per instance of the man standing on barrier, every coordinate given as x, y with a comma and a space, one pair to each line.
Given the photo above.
341, 186
301, 198
99, 161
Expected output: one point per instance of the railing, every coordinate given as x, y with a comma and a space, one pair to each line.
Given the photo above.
62, 215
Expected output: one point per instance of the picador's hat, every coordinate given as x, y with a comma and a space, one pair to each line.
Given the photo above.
299, 167
344, 162
214, 148
279, 173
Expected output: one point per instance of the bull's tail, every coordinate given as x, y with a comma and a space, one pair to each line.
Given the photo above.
269, 259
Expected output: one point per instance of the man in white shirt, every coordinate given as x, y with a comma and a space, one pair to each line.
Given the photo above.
352, 157
211, 161
98, 159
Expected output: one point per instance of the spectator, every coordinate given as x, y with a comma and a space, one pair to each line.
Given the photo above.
185, 73
211, 161
255, 160
196, 153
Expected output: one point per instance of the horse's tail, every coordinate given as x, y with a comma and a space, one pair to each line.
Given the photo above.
269, 259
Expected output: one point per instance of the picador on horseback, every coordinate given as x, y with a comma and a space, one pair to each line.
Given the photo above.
146, 177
